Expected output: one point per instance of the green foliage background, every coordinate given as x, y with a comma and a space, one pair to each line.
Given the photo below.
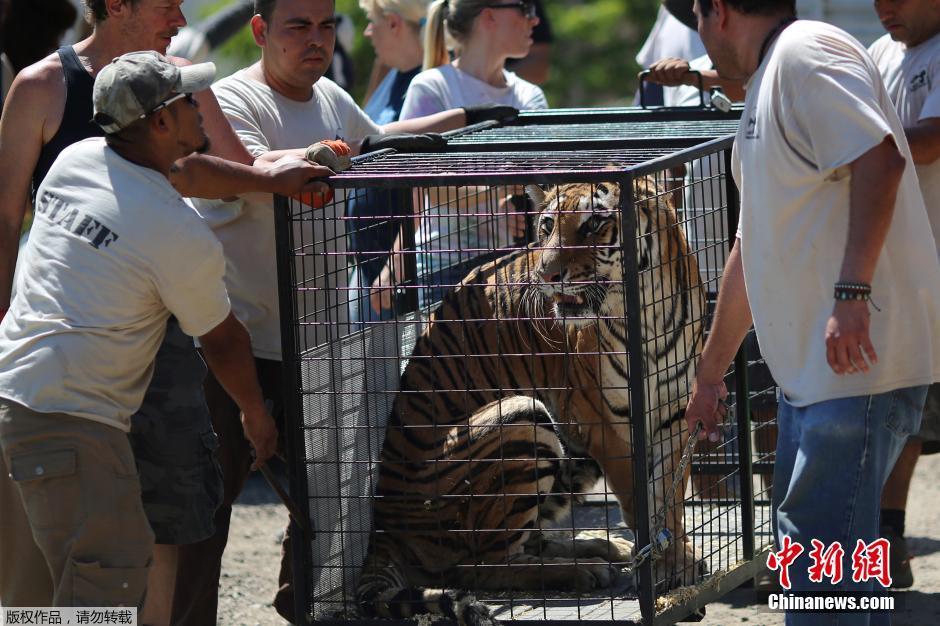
592, 57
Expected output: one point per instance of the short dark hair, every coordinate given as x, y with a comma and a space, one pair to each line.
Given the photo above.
97, 10
265, 8
753, 7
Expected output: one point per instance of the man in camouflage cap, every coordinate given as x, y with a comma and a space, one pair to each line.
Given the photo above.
114, 251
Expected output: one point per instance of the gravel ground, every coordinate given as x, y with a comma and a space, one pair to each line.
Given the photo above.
250, 565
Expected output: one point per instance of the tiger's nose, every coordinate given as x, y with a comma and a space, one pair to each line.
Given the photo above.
551, 276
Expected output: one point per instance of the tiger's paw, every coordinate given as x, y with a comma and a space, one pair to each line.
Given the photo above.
681, 567
597, 575
608, 545
621, 550
470, 612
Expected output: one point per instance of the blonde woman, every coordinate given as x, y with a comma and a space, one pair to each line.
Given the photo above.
455, 228
395, 28
483, 35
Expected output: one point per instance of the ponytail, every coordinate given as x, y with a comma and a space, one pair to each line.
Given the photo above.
435, 38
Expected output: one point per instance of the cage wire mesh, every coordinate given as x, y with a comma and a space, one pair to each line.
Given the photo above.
538, 135
489, 354
581, 129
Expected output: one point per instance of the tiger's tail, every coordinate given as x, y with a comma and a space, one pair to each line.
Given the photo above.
376, 598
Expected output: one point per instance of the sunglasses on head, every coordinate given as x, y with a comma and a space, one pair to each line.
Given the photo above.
526, 8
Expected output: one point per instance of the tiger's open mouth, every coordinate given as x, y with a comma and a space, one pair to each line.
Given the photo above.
565, 299
574, 309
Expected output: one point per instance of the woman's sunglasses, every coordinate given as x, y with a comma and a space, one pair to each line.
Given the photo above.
526, 8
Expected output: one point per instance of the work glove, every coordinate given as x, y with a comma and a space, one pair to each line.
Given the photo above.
334, 154
484, 112
403, 142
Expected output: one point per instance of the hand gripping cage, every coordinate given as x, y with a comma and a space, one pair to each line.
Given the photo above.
525, 347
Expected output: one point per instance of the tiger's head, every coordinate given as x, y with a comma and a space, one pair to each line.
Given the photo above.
578, 264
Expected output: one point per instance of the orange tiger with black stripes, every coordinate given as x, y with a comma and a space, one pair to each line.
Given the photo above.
517, 396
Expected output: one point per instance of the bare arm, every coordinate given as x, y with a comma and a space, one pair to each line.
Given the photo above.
435, 123
924, 139
732, 320
672, 72
204, 176
227, 349
275, 155
21, 139
444, 121
873, 189
223, 142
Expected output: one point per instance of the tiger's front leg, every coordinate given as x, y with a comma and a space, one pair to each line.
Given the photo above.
680, 565
613, 450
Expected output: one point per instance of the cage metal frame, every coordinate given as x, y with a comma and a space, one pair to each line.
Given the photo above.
625, 176
596, 129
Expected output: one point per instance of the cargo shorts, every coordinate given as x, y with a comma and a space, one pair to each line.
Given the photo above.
174, 444
73, 531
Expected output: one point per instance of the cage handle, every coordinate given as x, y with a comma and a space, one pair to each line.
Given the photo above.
701, 87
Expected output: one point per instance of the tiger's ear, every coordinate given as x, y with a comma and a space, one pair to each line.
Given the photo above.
536, 194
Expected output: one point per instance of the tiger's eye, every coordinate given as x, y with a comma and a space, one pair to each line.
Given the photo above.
547, 225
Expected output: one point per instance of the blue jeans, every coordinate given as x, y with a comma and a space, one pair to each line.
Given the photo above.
833, 458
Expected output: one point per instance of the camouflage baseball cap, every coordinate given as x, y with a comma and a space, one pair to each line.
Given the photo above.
136, 84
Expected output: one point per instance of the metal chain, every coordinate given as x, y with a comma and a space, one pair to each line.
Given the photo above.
660, 537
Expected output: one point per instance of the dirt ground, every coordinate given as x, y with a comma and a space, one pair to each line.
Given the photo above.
250, 566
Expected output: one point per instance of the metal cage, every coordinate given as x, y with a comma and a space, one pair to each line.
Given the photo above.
524, 361
593, 129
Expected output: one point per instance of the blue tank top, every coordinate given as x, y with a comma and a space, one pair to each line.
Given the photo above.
76, 118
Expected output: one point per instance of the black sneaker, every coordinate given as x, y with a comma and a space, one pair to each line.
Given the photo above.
902, 577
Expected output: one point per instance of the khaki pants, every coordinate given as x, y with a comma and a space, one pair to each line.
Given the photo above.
73, 529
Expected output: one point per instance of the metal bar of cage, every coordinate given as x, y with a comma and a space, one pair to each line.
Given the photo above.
389, 169
291, 384
678, 127
614, 114
646, 587
728, 582
509, 169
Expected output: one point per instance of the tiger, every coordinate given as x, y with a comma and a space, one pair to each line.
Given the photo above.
516, 399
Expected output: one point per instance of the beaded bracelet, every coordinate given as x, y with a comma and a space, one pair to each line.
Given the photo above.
851, 295
842, 284
854, 291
